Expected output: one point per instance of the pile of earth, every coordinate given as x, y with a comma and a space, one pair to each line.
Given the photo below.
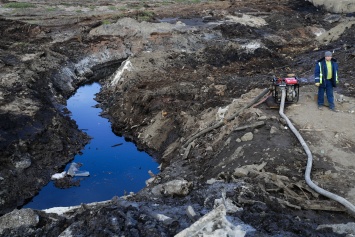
189, 68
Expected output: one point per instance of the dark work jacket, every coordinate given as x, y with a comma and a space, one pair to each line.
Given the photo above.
321, 72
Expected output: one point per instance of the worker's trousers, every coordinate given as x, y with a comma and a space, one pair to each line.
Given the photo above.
328, 89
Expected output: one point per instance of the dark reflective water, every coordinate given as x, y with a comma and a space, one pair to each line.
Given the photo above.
113, 170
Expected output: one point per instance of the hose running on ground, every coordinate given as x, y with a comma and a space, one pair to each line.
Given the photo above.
319, 190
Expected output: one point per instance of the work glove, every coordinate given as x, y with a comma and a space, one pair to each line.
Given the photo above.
317, 84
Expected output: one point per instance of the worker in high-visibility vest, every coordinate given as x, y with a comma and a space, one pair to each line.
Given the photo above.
326, 78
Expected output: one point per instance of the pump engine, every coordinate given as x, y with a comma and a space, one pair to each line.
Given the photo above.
291, 85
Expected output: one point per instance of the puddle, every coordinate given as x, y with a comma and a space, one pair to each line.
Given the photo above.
115, 165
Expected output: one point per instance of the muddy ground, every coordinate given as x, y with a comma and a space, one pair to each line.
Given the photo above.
169, 70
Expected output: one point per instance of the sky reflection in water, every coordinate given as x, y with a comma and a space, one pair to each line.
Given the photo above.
113, 170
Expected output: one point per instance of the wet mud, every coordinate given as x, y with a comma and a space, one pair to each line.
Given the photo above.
161, 84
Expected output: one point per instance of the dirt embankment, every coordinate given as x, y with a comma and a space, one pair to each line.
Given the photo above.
174, 79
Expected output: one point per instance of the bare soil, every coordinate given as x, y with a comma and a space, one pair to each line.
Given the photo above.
182, 75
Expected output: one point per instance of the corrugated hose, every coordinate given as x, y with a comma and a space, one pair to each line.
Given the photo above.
318, 189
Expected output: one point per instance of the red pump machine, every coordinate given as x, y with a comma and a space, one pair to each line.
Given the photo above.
292, 86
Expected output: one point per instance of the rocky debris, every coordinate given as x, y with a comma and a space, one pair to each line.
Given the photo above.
334, 33
247, 137
214, 223
248, 20
25, 218
348, 228
340, 6
177, 187
175, 81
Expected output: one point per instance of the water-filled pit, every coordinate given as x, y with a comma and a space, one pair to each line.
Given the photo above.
115, 165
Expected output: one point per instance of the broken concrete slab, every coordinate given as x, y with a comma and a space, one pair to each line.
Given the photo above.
339, 6
215, 224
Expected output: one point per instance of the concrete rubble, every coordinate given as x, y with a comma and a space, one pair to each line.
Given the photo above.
168, 72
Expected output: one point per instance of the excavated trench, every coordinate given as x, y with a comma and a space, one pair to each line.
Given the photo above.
49, 138
182, 77
115, 165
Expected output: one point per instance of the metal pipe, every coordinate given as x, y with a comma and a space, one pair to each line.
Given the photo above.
318, 189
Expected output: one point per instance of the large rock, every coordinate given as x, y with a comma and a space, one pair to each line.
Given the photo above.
19, 218
340, 6
177, 187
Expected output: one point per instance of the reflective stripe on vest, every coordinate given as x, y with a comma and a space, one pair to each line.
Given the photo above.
320, 73
336, 76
